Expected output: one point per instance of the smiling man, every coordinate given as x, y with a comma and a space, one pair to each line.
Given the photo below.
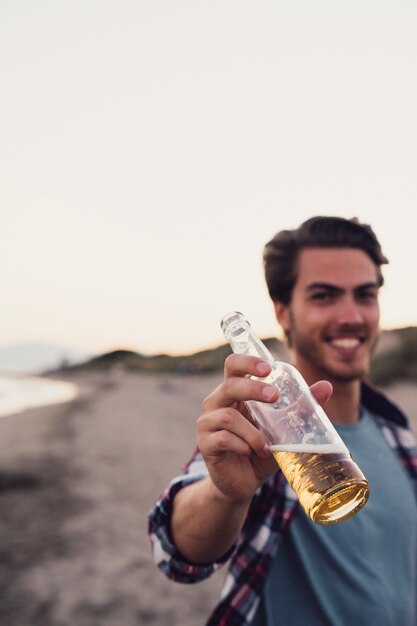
332, 319
233, 505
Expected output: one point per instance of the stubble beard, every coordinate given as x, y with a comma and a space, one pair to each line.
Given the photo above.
325, 370
310, 352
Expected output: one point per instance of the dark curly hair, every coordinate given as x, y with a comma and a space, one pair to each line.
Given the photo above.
282, 252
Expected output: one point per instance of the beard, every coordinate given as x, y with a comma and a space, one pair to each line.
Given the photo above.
314, 353
325, 369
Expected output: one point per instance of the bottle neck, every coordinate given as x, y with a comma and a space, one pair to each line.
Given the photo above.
244, 341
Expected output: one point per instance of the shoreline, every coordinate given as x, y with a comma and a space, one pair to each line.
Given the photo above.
22, 392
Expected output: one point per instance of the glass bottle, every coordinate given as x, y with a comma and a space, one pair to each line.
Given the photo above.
328, 483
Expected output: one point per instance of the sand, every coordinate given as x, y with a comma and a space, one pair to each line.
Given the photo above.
76, 483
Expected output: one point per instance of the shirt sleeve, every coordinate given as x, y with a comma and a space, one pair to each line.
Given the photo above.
166, 555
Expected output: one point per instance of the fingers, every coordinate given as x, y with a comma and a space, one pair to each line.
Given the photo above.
242, 365
226, 430
238, 387
238, 390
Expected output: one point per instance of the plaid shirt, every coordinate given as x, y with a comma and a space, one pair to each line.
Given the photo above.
272, 509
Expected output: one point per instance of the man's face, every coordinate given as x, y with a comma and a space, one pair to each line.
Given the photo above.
333, 317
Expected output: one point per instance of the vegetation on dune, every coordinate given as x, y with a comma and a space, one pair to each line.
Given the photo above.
200, 362
396, 361
203, 362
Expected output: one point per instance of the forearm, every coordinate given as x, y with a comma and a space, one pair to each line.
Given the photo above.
205, 524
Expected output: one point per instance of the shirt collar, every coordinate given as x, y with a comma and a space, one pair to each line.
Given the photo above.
378, 403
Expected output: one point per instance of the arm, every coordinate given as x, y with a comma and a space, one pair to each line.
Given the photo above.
205, 524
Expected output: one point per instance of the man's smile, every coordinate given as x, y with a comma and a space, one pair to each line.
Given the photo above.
346, 342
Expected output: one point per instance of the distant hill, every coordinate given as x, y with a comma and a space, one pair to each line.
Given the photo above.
36, 358
202, 362
395, 359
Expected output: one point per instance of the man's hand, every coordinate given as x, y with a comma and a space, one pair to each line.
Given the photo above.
234, 450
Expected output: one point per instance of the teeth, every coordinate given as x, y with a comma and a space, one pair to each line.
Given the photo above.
346, 342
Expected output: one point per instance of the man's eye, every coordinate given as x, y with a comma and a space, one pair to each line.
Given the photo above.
367, 296
321, 296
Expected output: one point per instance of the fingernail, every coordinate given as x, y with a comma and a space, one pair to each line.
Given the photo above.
268, 392
262, 368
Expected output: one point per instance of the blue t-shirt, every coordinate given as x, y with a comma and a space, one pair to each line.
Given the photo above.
362, 571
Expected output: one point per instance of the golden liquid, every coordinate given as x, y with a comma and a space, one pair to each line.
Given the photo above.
330, 487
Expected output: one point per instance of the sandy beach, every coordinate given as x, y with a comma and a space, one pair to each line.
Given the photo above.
76, 482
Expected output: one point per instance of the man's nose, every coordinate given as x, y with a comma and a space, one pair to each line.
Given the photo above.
349, 312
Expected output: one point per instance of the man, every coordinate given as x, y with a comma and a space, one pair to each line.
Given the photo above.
231, 503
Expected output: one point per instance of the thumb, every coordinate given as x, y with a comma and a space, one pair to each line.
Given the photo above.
322, 390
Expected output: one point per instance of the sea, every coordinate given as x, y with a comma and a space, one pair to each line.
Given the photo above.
19, 392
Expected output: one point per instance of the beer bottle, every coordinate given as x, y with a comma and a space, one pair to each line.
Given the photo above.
328, 483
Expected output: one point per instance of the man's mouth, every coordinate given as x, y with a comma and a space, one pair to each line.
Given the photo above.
346, 343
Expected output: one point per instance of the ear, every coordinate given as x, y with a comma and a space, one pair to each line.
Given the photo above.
283, 316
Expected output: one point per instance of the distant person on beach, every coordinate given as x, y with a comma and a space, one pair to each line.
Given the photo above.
232, 504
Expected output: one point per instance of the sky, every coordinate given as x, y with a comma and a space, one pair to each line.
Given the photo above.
149, 150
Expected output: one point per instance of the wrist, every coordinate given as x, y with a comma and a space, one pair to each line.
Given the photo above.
218, 497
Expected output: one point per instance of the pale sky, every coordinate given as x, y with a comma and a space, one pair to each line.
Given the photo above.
149, 150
